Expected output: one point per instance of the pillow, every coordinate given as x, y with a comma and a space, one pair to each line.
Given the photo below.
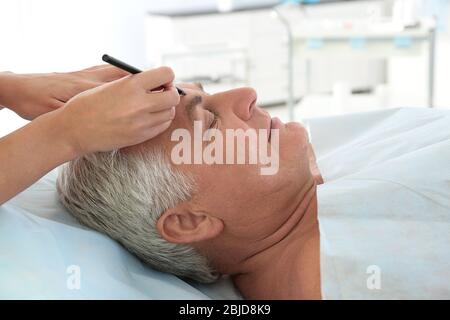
46, 254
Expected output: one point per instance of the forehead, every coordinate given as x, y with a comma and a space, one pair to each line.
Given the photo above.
192, 86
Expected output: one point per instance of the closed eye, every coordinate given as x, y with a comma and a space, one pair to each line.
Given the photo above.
215, 120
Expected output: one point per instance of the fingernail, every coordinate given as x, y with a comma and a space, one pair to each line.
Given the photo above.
172, 113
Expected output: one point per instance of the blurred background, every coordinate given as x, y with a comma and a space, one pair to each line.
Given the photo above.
305, 58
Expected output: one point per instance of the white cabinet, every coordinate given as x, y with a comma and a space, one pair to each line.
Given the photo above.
249, 48
224, 51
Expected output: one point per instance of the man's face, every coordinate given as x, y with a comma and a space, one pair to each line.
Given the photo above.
239, 194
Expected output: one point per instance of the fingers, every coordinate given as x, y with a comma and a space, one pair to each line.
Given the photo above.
154, 131
159, 101
105, 73
56, 104
156, 123
155, 78
96, 67
85, 85
156, 118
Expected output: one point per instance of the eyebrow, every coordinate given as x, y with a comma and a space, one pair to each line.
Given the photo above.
190, 106
200, 86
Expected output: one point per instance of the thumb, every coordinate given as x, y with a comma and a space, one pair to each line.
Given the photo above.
157, 130
105, 73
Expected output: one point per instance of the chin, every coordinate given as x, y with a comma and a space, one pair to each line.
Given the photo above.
299, 130
296, 135
294, 142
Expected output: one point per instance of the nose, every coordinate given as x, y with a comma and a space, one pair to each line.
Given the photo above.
242, 101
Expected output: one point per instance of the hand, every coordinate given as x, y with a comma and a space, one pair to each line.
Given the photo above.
121, 113
31, 95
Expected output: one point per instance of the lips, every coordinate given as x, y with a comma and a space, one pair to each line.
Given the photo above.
252, 105
275, 124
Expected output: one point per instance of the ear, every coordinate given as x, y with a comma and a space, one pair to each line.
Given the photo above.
184, 226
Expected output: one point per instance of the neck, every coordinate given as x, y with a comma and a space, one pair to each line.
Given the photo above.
280, 250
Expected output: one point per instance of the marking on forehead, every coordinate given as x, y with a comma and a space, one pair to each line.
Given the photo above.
190, 106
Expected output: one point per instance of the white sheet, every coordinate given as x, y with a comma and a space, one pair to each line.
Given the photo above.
384, 210
39, 240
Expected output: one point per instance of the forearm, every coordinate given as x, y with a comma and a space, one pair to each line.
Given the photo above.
7, 88
2, 89
31, 152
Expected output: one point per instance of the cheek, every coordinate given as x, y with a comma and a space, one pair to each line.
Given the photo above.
241, 198
231, 190
231, 182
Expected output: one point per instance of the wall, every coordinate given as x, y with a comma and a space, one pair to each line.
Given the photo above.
443, 64
64, 35
408, 76
61, 35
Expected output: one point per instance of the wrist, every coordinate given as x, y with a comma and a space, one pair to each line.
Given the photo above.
4, 76
8, 89
58, 133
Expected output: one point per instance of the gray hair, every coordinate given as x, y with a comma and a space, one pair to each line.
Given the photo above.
123, 194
